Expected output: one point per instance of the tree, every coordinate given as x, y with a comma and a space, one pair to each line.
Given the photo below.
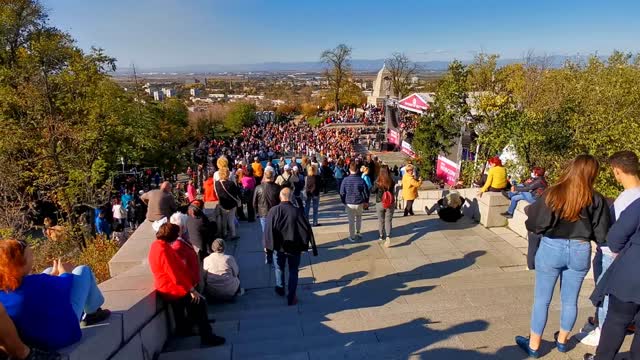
338, 61
438, 128
240, 115
401, 70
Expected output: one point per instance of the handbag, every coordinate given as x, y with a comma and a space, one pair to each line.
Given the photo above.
238, 202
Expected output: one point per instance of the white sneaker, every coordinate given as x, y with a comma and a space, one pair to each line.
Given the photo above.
380, 238
591, 339
387, 243
351, 239
588, 327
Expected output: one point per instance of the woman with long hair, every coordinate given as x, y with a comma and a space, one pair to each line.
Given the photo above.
47, 308
312, 187
383, 184
569, 216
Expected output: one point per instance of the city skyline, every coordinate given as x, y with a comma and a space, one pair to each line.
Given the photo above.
167, 33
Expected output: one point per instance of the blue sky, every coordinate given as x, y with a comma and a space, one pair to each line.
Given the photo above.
155, 33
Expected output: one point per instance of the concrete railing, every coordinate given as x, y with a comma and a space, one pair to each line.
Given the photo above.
485, 209
140, 323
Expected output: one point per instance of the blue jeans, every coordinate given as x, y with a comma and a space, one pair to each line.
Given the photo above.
516, 197
85, 295
268, 254
568, 260
316, 204
294, 263
601, 263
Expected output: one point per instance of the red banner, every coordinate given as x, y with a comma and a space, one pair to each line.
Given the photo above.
393, 137
407, 150
447, 170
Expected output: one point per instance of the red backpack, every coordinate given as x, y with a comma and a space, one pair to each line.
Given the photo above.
387, 200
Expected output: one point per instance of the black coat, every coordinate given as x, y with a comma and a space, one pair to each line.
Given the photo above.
201, 232
228, 194
266, 196
288, 230
621, 278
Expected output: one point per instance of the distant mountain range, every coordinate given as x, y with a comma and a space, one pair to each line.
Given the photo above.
317, 66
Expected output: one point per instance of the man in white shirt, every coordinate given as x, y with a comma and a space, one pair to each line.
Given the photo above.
625, 169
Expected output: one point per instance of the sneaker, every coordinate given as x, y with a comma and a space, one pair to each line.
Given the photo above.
280, 291
505, 194
589, 356
507, 215
96, 317
563, 348
351, 239
37, 354
589, 326
592, 338
387, 242
380, 239
212, 340
523, 343
426, 210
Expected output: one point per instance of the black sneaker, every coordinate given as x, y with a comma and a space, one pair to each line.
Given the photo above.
98, 316
280, 291
507, 215
212, 340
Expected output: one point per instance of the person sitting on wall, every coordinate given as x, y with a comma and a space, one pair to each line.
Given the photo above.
222, 274
497, 177
449, 208
47, 308
530, 191
174, 284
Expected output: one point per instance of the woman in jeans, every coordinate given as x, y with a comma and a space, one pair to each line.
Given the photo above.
229, 198
568, 217
47, 308
385, 216
312, 188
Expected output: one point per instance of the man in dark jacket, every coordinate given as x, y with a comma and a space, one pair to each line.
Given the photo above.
265, 197
529, 192
201, 229
354, 194
288, 233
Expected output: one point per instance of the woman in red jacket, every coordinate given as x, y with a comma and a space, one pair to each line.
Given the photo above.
175, 284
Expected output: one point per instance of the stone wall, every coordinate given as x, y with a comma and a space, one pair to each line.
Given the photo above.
139, 324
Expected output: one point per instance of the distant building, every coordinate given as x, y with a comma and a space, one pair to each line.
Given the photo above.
169, 92
194, 92
381, 88
158, 95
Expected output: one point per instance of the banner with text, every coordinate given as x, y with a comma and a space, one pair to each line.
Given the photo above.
393, 137
447, 170
407, 150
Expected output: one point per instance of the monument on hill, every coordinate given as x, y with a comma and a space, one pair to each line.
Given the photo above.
382, 89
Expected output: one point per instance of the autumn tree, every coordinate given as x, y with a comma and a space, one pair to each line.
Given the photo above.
401, 72
338, 61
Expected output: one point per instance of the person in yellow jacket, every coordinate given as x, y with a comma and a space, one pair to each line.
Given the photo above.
258, 170
409, 189
497, 177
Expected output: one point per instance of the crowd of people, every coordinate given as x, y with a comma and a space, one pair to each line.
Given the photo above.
190, 266
367, 115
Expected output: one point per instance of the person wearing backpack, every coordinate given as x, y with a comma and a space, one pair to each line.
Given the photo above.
383, 189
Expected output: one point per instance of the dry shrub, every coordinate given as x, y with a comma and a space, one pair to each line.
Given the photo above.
96, 255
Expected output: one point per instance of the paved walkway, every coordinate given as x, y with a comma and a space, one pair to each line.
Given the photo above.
444, 291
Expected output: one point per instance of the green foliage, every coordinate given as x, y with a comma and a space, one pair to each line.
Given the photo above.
315, 121
241, 114
438, 128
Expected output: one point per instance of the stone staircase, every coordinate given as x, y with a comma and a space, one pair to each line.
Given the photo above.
444, 291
